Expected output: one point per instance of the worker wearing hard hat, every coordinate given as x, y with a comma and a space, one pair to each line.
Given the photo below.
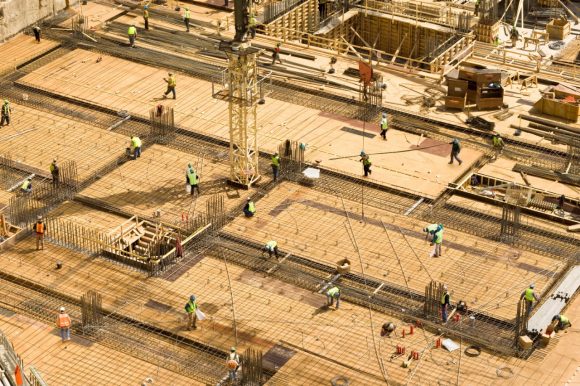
64, 323
249, 208
384, 126
530, 297
190, 309
562, 322
146, 17
233, 364
6, 110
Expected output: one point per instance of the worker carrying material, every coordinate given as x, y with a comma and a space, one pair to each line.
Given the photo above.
190, 309
63, 322
561, 322
26, 186
530, 297
366, 161
146, 17
455, 150
272, 248
331, 294
249, 208
39, 230
233, 363
54, 172
275, 165
136, 146
435, 237
132, 32
6, 110
192, 180
384, 126
445, 303
387, 329
171, 83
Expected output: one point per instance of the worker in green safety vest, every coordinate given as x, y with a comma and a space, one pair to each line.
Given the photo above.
498, 144
26, 186
331, 294
563, 322
249, 208
190, 309
366, 161
132, 32
186, 17
384, 126
530, 297
192, 179
275, 165
136, 146
272, 248
252, 23
435, 237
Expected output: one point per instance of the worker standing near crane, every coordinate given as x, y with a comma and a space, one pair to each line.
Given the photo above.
146, 17
275, 165
272, 248
561, 322
171, 83
132, 32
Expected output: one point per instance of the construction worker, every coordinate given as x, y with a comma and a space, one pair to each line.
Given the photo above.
233, 364
435, 237
186, 17
562, 322
496, 41
54, 172
192, 179
146, 17
63, 322
272, 248
36, 31
190, 308
384, 125
252, 25
333, 293
132, 32
530, 296
6, 110
445, 303
275, 165
366, 161
276, 54
40, 230
26, 186
249, 208
498, 143
171, 83
514, 36
136, 146
387, 329
455, 150
476, 11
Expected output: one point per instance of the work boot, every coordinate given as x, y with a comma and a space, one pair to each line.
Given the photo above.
450, 162
460, 162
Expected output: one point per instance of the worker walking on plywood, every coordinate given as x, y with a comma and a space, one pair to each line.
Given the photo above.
455, 150
192, 179
332, 294
190, 309
249, 208
6, 110
498, 144
132, 32
384, 126
530, 296
63, 322
26, 186
186, 18
275, 165
435, 237
366, 161
171, 83
36, 31
233, 364
445, 303
146, 17
136, 146
40, 230
272, 248
54, 172
561, 322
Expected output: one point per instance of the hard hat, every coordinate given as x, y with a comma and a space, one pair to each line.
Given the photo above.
29, 178
532, 285
192, 298
425, 229
189, 165
5, 100
278, 44
146, 7
54, 160
362, 152
385, 115
249, 199
39, 218
170, 73
61, 309
445, 287
233, 349
187, 9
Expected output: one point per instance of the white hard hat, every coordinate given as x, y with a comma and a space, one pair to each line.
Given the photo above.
61, 309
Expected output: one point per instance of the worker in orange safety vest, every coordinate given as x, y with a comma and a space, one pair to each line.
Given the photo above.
63, 322
40, 230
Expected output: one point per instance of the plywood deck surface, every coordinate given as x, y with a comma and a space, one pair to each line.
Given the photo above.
21, 49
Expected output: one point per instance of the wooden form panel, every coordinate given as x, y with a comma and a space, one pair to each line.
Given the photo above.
303, 18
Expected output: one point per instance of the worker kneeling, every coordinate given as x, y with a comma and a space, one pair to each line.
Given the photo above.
249, 208
562, 322
26, 186
331, 294
387, 329
272, 248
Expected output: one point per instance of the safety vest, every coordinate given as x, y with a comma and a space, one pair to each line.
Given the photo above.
333, 292
252, 21
53, 168
192, 177
25, 185
135, 142
276, 160
439, 234
384, 124
233, 361
6, 109
366, 161
145, 14
564, 320
529, 295
39, 228
443, 298
271, 245
171, 82
132, 31
190, 307
497, 141
251, 207
63, 321
187, 14
496, 42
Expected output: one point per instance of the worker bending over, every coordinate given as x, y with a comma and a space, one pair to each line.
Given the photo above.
387, 329
530, 296
26, 186
498, 144
435, 237
562, 322
249, 208
272, 248
331, 294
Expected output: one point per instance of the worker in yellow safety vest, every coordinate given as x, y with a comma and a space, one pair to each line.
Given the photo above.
190, 309
26, 186
171, 83
249, 208
132, 32
136, 146
252, 23
192, 179
530, 297
275, 165
384, 126
186, 17
562, 322
366, 161
498, 143
272, 248
331, 294
146, 17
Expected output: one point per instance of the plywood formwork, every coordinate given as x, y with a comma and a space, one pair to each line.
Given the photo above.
21, 50
303, 17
